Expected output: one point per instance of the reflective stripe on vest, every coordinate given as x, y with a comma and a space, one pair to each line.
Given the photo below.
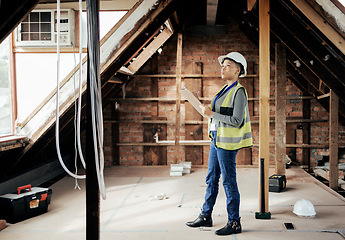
230, 137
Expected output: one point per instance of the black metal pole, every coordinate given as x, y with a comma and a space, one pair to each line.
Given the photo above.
92, 189
262, 214
262, 184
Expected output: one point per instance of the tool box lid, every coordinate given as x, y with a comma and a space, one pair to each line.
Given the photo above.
34, 190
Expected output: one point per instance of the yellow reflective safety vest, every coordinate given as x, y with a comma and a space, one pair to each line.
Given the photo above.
228, 136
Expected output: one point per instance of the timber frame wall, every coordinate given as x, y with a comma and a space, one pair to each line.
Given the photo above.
147, 105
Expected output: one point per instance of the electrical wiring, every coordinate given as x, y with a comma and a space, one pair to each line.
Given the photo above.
76, 184
95, 93
80, 84
57, 134
95, 96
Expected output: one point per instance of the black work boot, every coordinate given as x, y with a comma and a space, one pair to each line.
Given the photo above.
232, 227
201, 221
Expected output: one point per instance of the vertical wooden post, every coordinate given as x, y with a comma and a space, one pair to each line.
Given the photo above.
178, 96
264, 89
154, 86
306, 133
115, 128
333, 140
280, 116
154, 155
13, 80
193, 154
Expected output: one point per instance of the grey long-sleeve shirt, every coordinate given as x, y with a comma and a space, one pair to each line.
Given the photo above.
236, 118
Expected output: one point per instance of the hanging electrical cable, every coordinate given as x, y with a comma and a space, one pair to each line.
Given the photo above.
80, 83
96, 98
76, 184
57, 134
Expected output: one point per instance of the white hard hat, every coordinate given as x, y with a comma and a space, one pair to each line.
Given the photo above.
304, 208
238, 58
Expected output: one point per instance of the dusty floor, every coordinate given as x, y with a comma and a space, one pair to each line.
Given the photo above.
131, 210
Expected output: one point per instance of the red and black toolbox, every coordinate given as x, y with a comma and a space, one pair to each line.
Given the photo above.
26, 203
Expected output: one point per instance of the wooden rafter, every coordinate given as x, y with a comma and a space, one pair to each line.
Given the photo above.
212, 6
250, 4
321, 24
312, 53
157, 42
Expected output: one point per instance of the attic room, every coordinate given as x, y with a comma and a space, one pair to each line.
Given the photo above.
145, 54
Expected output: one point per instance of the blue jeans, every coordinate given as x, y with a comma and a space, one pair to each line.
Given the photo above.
222, 162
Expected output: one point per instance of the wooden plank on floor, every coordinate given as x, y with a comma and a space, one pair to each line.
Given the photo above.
280, 116
264, 92
333, 140
178, 96
193, 154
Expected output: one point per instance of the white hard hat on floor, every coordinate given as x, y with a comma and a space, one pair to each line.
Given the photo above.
238, 58
304, 208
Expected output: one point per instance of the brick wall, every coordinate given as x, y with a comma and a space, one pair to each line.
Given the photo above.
204, 49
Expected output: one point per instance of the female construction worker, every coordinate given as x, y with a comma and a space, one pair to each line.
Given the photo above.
229, 130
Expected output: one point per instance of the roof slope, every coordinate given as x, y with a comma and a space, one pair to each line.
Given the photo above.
145, 23
313, 38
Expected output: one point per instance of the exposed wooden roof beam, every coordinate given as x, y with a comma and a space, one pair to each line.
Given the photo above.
309, 53
302, 76
250, 4
150, 50
321, 24
212, 6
